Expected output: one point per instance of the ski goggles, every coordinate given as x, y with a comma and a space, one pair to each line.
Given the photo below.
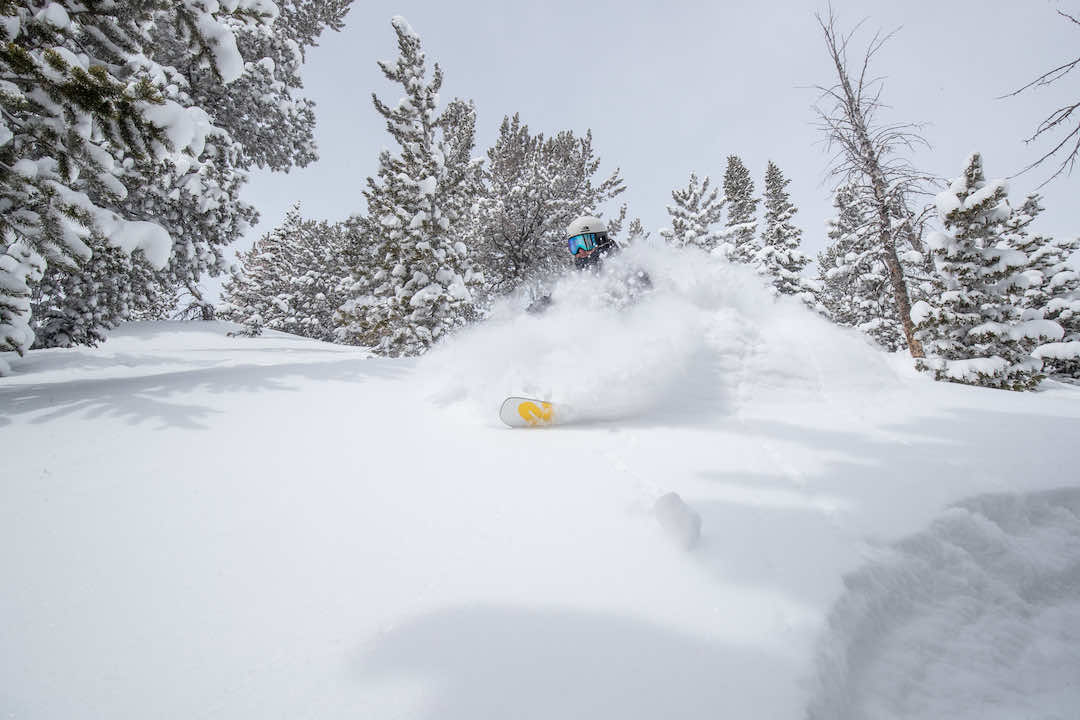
577, 243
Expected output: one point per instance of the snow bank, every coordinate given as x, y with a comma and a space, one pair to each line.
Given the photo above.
977, 617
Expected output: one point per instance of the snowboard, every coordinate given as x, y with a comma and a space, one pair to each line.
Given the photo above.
527, 412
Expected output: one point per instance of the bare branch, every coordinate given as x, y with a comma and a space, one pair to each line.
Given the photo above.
1056, 119
1046, 78
1067, 165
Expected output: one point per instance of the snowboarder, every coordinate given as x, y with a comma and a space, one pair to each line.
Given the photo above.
589, 243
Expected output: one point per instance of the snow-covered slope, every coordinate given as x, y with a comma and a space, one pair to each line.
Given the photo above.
193, 525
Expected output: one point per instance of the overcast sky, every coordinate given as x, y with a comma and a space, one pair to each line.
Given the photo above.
674, 87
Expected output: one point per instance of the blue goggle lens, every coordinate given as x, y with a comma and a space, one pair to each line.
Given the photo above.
578, 243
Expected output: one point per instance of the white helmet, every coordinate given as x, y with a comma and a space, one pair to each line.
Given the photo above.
586, 234
586, 224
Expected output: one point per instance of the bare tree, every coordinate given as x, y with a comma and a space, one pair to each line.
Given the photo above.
1058, 119
869, 158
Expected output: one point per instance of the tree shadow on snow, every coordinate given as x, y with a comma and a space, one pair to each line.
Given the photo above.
150, 398
512, 662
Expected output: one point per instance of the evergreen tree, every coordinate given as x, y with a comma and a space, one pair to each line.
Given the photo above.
876, 311
970, 330
417, 284
262, 108
615, 224
255, 98
1048, 288
116, 136
740, 233
533, 188
73, 129
1062, 290
781, 258
20, 268
636, 233
836, 276
290, 280
512, 232
463, 171
77, 304
1029, 294
854, 278
697, 208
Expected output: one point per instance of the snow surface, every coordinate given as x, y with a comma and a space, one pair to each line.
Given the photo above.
976, 617
199, 526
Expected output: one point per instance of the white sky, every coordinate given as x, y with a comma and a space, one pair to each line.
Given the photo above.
674, 87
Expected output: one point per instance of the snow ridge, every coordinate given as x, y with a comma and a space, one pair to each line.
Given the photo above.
976, 617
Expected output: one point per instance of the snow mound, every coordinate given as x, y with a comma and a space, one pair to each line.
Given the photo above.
689, 346
976, 617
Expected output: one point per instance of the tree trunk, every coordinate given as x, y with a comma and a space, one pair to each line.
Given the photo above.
888, 249
900, 291
872, 166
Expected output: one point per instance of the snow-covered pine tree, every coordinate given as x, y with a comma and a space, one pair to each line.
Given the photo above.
161, 300
1048, 288
262, 108
107, 146
21, 267
290, 280
568, 167
464, 172
781, 258
835, 275
853, 276
970, 330
417, 286
739, 235
615, 224
78, 119
509, 226
636, 233
254, 96
76, 304
698, 207
1062, 283
1029, 294
533, 188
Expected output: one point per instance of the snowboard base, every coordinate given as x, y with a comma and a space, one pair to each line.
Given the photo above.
527, 412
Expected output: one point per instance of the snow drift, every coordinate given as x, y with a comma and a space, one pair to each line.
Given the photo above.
976, 617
